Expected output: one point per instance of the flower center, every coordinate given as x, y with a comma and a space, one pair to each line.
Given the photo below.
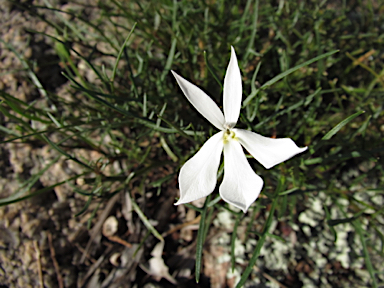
229, 135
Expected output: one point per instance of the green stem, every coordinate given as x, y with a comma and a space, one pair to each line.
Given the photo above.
200, 239
259, 244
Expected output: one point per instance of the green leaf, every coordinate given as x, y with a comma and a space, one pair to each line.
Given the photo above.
336, 129
210, 69
120, 53
334, 222
233, 240
146, 221
27, 185
259, 245
368, 263
289, 71
200, 239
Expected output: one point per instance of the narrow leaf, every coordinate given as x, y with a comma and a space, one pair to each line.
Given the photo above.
200, 240
336, 129
289, 71
210, 69
258, 247
121, 52
146, 221
233, 240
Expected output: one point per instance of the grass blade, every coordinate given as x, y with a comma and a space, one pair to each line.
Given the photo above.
336, 129
289, 71
121, 53
233, 240
259, 245
200, 240
146, 221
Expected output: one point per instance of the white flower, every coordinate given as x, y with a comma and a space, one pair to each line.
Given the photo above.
241, 185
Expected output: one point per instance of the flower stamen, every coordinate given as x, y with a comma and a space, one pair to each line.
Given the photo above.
228, 135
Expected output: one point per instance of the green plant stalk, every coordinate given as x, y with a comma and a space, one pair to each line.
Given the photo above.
233, 240
360, 232
254, 30
26, 66
6, 201
121, 53
146, 221
210, 69
200, 239
259, 244
336, 129
289, 71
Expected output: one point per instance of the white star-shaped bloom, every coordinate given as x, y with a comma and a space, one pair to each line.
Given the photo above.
241, 185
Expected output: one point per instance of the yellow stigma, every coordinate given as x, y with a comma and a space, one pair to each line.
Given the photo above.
229, 135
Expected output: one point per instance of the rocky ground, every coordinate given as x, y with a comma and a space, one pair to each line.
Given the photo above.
43, 244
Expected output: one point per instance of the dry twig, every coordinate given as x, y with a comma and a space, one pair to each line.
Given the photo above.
117, 239
180, 226
40, 270
270, 278
96, 229
94, 266
55, 263
82, 250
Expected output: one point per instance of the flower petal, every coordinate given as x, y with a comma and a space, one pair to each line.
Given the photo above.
268, 151
232, 91
201, 101
241, 185
198, 176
